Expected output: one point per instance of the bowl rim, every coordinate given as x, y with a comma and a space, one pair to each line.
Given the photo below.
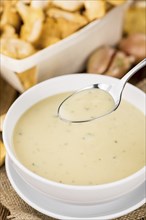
51, 182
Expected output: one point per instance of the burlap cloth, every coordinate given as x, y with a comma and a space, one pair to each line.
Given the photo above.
19, 210
13, 207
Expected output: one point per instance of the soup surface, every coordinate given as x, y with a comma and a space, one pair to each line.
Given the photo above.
97, 152
92, 103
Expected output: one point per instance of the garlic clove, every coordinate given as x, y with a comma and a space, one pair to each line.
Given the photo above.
100, 59
135, 45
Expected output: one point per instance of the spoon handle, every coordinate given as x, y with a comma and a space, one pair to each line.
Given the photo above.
118, 88
132, 72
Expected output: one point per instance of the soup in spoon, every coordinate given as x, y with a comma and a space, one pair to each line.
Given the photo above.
92, 103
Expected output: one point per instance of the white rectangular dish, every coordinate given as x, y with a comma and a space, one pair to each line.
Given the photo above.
70, 54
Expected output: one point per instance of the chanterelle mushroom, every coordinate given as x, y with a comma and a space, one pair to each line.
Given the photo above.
40, 3
69, 5
33, 22
95, 9
50, 34
68, 22
67, 27
25, 1
116, 2
72, 17
16, 48
10, 15
8, 31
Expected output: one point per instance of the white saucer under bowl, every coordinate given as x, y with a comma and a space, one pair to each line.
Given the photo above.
59, 210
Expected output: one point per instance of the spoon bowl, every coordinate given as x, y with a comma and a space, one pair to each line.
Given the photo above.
103, 105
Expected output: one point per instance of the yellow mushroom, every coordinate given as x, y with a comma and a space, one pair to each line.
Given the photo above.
50, 34
95, 9
116, 2
25, 1
67, 27
40, 4
2, 153
69, 5
16, 48
8, 31
33, 22
10, 15
69, 16
1, 8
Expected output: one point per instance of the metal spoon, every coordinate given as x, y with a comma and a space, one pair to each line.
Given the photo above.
114, 91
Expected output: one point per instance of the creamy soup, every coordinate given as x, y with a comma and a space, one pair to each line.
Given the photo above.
97, 152
86, 105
